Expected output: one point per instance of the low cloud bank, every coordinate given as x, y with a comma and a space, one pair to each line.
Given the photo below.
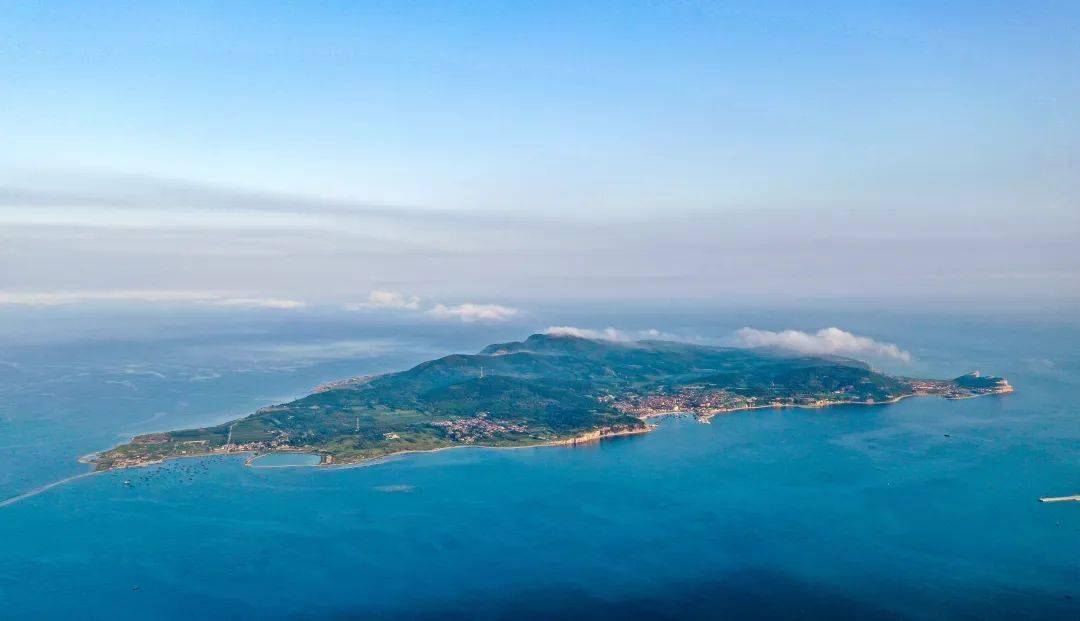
387, 300
824, 341
467, 312
278, 303
473, 312
74, 298
379, 300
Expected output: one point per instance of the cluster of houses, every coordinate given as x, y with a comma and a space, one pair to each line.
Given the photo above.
469, 430
695, 400
956, 389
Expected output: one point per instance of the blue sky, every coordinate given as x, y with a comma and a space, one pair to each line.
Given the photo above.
855, 120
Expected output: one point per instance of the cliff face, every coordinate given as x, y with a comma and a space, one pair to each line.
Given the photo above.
607, 432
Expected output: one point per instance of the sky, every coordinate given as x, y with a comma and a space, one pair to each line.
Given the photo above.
463, 159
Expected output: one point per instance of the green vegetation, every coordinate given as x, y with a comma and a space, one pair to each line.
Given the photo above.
977, 381
544, 389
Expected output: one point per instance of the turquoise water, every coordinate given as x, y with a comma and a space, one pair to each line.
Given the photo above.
922, 509
281, 460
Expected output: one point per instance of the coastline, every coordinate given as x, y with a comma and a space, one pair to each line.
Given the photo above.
250, 461
590, 437
327, 459
705, 418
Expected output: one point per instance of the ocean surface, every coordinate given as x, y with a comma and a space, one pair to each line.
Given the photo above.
925, 509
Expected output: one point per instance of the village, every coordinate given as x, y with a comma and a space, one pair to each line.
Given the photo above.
963, 387
704, 403
469, 430
699, 401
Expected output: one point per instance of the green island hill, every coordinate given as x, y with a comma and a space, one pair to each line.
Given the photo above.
547, 389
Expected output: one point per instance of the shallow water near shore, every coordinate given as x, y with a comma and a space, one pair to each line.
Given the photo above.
922, 509
284, 460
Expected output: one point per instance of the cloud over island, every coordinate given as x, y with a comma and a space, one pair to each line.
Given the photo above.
824, 341
607, 334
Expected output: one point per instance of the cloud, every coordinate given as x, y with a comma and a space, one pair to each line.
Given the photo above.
824, 341
386, 300
473, 312
280, 303
467, 312
128, 231
607, 334
72, 298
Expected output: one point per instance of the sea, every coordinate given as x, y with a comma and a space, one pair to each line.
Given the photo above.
925, 509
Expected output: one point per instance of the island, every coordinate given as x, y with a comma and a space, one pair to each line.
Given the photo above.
547, 389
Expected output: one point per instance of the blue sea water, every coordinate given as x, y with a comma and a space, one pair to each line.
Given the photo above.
924, 509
